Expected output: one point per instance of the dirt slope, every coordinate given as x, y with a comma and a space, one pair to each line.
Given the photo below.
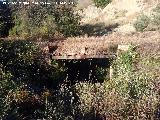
122, 12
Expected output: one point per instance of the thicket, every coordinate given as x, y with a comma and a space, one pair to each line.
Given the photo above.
5, 20
40, 21
32, 88
128, 95
7, 86
25, 73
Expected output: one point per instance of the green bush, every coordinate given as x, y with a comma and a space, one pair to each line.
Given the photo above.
102, 3
142, 23
45, 21
151, 23
156, 20
20, 28
34, 21
25, 61
101, 74
68, 22
7, 86
17, 56
122, 96
61, 105
25, 66
5, 20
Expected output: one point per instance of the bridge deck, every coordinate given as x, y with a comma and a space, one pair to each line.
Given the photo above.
84, 56
97, 47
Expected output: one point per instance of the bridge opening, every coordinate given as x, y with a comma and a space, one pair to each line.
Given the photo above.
93, 70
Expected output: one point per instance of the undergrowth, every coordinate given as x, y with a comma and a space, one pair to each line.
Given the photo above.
128, 95
38, 93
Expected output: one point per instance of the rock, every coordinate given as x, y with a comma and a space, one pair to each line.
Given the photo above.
84, 3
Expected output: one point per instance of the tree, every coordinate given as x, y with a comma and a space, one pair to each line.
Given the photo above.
45, 20
5, 19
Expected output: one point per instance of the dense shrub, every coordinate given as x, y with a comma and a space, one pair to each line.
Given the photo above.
17, 56
7, 87
142, 23
102, 3
150, 23
5, 20
45, 21
27, 63
33, 21
129, 95
101, 74
20, 28
157, 8
156, 20
62, 105
68, 22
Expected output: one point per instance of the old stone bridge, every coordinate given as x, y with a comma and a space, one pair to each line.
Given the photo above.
96, 49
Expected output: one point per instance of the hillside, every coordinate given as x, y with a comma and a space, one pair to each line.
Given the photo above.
121, 12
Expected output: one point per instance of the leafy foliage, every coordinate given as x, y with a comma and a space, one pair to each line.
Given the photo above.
142, 22
23, 59
27, 68
157, 9
5, 20
45, 21
62, 105
7, 86
151, 23
17, 56
101, 3
101, 73
122, 96
68, 22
